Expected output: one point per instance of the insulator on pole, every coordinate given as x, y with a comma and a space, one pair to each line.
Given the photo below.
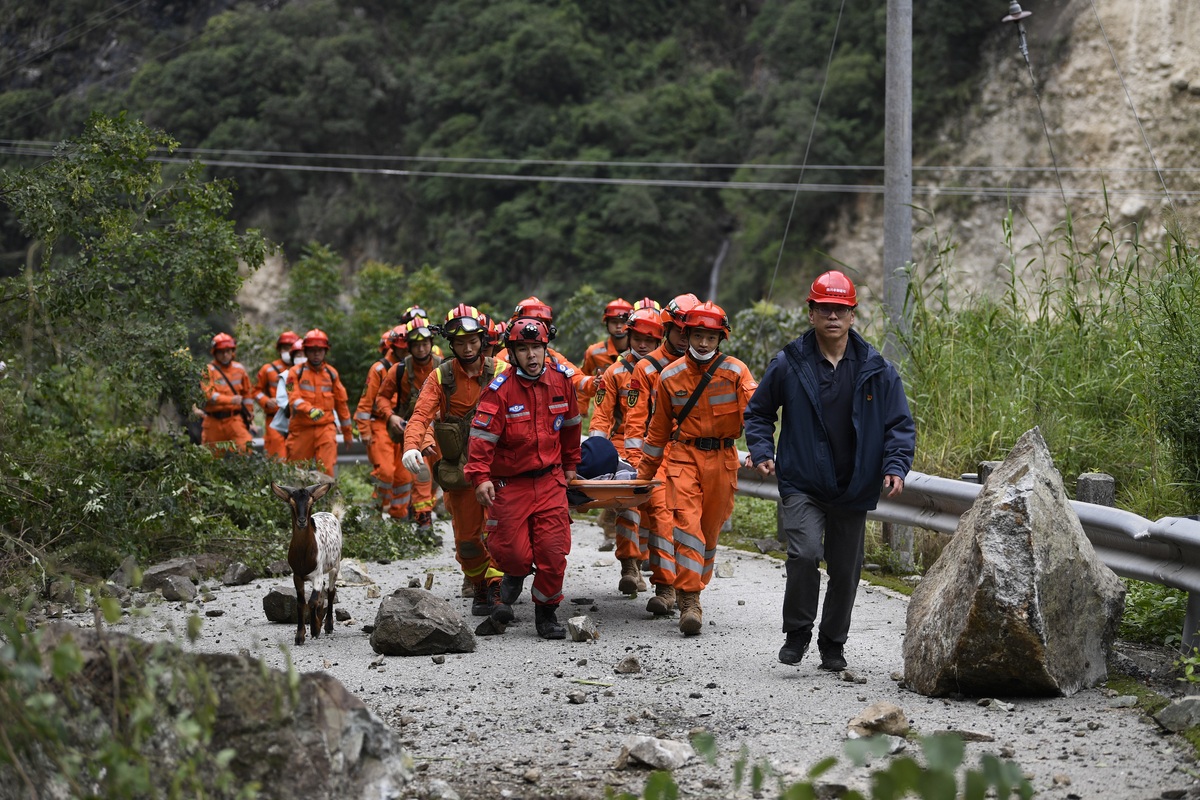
1017, 14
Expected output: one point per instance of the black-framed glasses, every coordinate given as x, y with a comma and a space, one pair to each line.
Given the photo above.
831, 310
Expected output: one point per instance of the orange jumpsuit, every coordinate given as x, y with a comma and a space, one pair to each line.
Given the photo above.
620, 390
373, 431
596, 359
316, 387
468, 518
274, 442
656, 517
225, 429
397, 395
701, 469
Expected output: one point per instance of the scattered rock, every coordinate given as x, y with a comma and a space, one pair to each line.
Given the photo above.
214, 612
439, 659
532, 775
154, 577
341, 614
413, 622
414, 583
881, 717
237, 574
62, 591
852, 677
655, 753
1018, 603
629, 665
1124, 701
210, 565
128, 574
373, 592
1180, 715
489, 627
280, 605
177, 587
582, 629
353, 573
968, 736
995, 705
577, 697
277, 569
725, 569
765, 546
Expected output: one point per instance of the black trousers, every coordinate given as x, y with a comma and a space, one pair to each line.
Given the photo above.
812, 530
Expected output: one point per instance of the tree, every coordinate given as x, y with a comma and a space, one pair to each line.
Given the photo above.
121, 264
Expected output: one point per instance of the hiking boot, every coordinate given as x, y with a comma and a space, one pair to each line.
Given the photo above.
510, 589
795, 647
468, 587
832, 658
501, 612
548, 626
691, 616
481, 605
424, 521
629, 577
663, 602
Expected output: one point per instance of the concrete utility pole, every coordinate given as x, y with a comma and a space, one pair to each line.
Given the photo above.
897, 208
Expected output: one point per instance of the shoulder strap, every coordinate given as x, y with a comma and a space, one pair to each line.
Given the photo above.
659, 366
695, 398
242, 412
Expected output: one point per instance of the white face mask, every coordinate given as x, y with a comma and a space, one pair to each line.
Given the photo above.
286, 356
702, 358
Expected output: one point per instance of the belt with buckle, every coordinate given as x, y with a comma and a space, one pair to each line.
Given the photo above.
709, 443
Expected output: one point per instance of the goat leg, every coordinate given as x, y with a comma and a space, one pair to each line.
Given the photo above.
314, 602
300, 608
329, 610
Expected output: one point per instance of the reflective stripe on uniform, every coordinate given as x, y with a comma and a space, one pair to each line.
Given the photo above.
650, 450
633, 444
675, 370
685, 539
723, 398
478, 433
684, 562
575, 420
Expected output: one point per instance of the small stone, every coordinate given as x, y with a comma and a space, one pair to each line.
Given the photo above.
582, 601
532, 775
582, 629
741, 602
214, 612
373, 592
1062, 780
439, 658
898, 677
695, 695
628, 666
725, 569
1124, 701
414, 583
582, 662
237, 574
341, 614
577, 697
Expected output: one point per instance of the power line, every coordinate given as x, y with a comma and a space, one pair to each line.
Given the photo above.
130, 5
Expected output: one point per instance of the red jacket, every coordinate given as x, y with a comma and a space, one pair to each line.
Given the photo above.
524, 426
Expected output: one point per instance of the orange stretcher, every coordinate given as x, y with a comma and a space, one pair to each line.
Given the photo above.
612, 494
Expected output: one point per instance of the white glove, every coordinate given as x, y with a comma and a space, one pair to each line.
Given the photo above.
413, 461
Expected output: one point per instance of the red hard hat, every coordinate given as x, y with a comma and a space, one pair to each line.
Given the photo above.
647, 302
647, 322
298, 346
833, 287
222, 341
464, 320
316, 338
286, 339
527, 329
417, 329
709, 316
679, 305
532, 307
618, 309
385, 340
411, 313
396, 338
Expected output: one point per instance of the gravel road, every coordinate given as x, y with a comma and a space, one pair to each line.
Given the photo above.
499, 722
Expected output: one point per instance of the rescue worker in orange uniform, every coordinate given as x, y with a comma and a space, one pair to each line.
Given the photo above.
698, 409
372, 429
395, 401
268, 384
315, 394
524, 449
657, 518
603, 354
620, 391
438, 432
228, 403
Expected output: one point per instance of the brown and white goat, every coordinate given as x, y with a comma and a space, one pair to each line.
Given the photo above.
314, 555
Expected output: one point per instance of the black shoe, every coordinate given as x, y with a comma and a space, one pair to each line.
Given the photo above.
510, 588
548, 626
795, 647
485, 598
502, 612
832, 658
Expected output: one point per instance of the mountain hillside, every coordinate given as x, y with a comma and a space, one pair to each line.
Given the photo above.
999, 143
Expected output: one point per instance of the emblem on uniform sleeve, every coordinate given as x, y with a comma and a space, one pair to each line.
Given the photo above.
482, 419
599, 396
558, 421
632, 397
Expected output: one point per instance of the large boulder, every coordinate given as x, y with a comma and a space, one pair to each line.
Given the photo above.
413, 622
296, 736
280, 604
155, 577
1018, 603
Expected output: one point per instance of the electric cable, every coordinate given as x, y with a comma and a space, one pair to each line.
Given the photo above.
131, 4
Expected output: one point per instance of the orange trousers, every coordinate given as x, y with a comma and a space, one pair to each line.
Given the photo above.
381, 452
629, 543
225, 436
700, 491
274, 442
469, 520
659, 521
407, 490
313, 441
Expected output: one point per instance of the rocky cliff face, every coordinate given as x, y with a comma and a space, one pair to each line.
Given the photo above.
1000, 144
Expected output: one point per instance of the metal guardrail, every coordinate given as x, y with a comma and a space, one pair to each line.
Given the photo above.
1164, 551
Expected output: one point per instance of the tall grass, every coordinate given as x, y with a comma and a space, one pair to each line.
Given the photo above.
1094, 340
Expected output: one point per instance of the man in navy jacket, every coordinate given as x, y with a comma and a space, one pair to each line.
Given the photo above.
846, 436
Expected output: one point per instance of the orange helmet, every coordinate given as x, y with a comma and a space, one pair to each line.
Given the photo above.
464, 320
647, 302
833, 287
707, 315
222, 341
385, 340
286, 339
680, 305
534, 308
297, 347
618, 309
316, 338
528, 329
646, 322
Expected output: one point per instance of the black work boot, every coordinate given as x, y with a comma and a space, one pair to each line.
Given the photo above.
501, 610
795, 647
510, 588
832, 658
548, 626
481, 600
